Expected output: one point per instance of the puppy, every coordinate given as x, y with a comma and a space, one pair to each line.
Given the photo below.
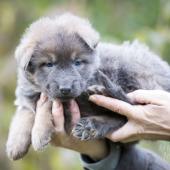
61, 57
55, 56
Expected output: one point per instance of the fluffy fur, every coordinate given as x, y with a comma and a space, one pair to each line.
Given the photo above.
61, 57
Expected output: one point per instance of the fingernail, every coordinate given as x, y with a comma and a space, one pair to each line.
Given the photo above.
43, 97
130, 95
54, 107
72, 103
93, 97
56, 103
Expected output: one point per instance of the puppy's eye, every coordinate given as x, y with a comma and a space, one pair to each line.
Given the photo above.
49, 64
77, 63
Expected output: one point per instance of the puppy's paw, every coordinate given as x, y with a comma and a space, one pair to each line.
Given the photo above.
41, 136
85, 130
17, 146
96, 89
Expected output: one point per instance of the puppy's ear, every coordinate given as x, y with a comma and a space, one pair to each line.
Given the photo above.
89, 38
87, 45
80, 26
23, 55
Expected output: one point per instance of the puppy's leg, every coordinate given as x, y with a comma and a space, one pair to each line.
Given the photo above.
112, 89
43, 129
109, 88
19, 138
96, 127
96, 89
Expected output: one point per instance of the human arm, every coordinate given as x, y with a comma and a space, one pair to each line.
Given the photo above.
96, 155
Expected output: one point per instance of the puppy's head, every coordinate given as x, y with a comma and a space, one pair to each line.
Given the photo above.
58, 55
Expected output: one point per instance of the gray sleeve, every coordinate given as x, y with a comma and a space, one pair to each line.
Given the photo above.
108, 163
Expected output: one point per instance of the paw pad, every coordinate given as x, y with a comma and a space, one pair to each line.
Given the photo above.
85, 130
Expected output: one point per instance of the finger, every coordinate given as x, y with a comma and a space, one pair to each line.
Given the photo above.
148, 96
123, 134
113, 104
74, 109
43, 104
43, 98
131, 139
58, 115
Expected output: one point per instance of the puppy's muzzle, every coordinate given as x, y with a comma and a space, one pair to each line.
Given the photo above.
65, 91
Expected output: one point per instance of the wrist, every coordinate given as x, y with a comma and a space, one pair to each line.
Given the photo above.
98, 150
107, 162
95, 149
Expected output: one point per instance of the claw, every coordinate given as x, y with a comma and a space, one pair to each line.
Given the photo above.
85, 130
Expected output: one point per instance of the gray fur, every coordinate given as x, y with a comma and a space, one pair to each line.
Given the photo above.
66, 63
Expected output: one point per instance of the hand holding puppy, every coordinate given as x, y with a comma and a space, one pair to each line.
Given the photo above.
96, 149
148, 119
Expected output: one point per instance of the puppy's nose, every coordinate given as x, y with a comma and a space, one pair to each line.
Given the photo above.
65, 91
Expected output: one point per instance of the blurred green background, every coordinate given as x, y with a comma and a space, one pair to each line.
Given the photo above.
116, 20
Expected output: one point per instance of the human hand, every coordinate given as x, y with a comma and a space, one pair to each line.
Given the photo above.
96, 149
149, 118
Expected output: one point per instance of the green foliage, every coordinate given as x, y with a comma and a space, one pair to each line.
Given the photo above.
116, 20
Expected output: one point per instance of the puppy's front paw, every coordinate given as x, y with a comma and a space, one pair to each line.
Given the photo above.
85, 130
41, 136
17, 146
96, 89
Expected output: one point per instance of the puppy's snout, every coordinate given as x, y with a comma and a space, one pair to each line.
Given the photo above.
65, 90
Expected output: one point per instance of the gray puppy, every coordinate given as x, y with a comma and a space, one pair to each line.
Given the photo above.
61, 57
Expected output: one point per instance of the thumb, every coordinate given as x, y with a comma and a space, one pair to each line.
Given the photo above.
122, 134
58, 115
74, 109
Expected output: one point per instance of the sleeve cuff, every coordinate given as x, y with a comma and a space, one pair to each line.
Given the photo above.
108, 163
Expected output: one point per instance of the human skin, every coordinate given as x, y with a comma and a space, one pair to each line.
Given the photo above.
96, 149
149, 118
